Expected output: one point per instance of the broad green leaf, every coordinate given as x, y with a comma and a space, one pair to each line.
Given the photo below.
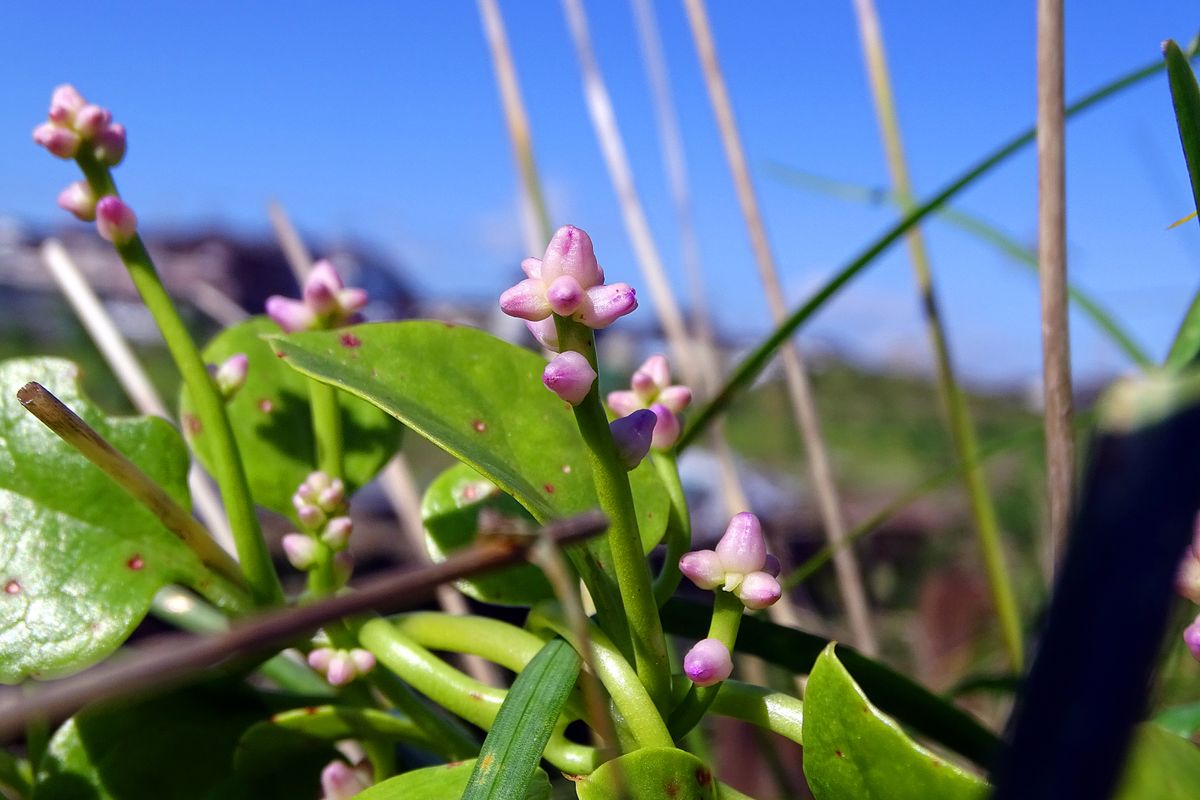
1160, 766
444, 782
450, 511
652, 773
273, 425
179, 745
797, 651
1185, 96
1181, 720
80, 561
853, 751
513, 748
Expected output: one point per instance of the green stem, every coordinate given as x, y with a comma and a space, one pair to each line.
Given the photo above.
768, 709
679, 527
207, 399
507, 645
327, 427
726, 618
616, 501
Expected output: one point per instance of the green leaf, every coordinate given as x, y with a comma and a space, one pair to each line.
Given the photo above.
1185, 96
651, 773
444, 782
797, 651
1161, 766
80, 560
513, 747
1181, 720
853, 751
272, 422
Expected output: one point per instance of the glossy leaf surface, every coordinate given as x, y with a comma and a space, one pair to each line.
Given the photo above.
1161, 766
444, 782
650, 774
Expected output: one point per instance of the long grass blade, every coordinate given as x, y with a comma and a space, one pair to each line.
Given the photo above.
1185, 95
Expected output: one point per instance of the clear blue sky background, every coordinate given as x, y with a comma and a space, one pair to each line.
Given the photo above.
381, 121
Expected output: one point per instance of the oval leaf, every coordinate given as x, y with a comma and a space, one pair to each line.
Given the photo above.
444, 782
854, 752
273, 425
80, 561
1161, 765
650, 774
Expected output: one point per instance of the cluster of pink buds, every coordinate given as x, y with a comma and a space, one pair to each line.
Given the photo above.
1187, 583
230, 375
567, 281
340, 667
326, 302
740, 564
708, 662
340, 781
320, 505
76, 128
650, 387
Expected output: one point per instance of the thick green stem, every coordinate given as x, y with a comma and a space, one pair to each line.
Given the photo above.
726, 618
207, 400
507, 645
616, 501
327, 427
768, 709
679, 528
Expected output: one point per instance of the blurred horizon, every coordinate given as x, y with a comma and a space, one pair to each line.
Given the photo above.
383, 125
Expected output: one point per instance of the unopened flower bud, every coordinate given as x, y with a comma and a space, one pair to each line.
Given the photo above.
623, 403
363, 660
759, 590
564, 294
320, 659
772, 566
291, 315
708, 662
1191, 638
546, 332
341, 669
571, 253
337, 533
570, 376
91, 119
331, 496
79, 199
607, 303
743, 549
108, 146
703, 568
633, 435
115, 221
340, 781
65, 101
310, 515
62, 142
527, 301
301, 551
231, 375
666, 427
675, 398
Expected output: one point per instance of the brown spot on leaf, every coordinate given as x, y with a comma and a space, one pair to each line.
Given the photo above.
475, 695
672, 788
838, 753
487, 762
280, 354
191, 424
350, 340
12, 587
866, 709
479, 425
549, 487
265, 405
703, 776
310, 710
135, 562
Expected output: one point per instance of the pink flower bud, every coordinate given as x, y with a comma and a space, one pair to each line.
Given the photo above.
341, 669
352, 300
708, 662
364, 660
703, 568
340, 781
108, 146
231, 375
564, 295
65, 101
666, 427
91, 119
62, 142
331, 496
532, 267
657, 370
676, 398
1191, 638
115, 221
319, 297
320, 658
546, 332
772, 567
570, 253
742, 549
310, 516
79, 199
291, 315
337, 533
526, 300
301, 551
633, 435
623, 403
759, 590
570, 376
607, 303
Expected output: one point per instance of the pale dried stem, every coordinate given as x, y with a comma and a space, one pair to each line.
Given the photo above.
803, 406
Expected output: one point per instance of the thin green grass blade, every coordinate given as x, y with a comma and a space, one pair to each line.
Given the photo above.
754, 363
513, 748
1185, 95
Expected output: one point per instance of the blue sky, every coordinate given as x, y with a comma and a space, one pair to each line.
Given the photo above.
381, 121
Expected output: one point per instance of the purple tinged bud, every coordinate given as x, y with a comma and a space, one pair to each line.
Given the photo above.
606, 304
115, 221
759, 590
62, 142
633, 435
703, 568
526, 300
291, 315
108, 146
643, 385
340, 781
658, 370
231, 375
666, 428
570, 376
324, 272
80, 200
65, 101
320, 658
676, 398
301, 551
772, 567
623, 403
341, 669
1191, 637
91, 119
742, 549
337, 533
546, 332
564, 295
708, 662
570, 252
319, 297
364, 660
331, 496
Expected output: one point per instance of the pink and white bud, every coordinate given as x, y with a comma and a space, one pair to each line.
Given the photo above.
532, 267
115, 221
546, 333
352, 300
703, 568
309, 514
340, 781
64, 102
676, 398
1191, 638
341, 669
570, 253
527, 301
708, 662
79, 199
564, 294
331, 496
231, 375
301, 551
666, 427
108, 146
337, 533
606, 303
633, 435
656, 371
759, 590
363, 660
623, 402
62, 142
742, 549
320, 298
91, 119
291, 315
320, 659
570, 376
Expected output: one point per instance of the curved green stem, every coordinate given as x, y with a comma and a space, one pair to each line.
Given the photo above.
449, 737
679, 527
616, 501
768, 709
208, 402
507, 645
726, 618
